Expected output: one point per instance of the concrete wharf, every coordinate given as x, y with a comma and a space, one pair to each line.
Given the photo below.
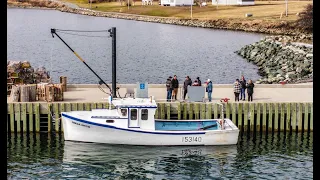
274, 108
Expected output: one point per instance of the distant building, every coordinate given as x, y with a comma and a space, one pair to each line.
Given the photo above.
233, 2
177, 2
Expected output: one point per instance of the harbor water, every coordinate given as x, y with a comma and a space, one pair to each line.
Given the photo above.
145, 51
264, 156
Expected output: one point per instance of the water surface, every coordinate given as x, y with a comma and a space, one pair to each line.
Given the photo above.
145, 51
262, 157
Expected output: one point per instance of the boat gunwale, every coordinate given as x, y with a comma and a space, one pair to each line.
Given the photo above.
198, 132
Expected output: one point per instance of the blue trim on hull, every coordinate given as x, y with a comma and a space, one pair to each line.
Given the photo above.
130, 130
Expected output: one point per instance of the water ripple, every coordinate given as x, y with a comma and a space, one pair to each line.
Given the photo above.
145, 51
265, 156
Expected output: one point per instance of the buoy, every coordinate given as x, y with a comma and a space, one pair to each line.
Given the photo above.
224, 100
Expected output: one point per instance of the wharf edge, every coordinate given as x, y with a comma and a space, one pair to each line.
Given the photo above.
248, 116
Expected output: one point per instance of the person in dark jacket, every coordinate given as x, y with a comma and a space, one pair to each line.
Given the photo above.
199, 82
209, 89
250, 87
175, 86
186, 83
243, 86
169, 88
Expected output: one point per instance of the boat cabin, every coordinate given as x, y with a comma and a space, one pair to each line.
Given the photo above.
139, 113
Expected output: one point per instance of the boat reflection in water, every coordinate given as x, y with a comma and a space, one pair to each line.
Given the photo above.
126, 161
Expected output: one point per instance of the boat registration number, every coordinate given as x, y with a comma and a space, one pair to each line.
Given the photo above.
191, 139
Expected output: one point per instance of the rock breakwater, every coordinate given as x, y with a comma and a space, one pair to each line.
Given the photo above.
280, 60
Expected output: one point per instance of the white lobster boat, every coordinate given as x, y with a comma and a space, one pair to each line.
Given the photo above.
132, 122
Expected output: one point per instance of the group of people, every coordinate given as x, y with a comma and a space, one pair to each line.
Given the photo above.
173, 85
239, 88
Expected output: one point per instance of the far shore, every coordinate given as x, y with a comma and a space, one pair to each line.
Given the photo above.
259, 25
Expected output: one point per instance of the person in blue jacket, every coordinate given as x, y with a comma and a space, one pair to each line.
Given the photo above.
209, 89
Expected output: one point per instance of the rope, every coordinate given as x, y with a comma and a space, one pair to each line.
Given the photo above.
81, 30
99, 86
51, 58
82, 35
49, 111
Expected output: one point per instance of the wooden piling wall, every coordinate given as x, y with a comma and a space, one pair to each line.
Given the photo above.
270, 117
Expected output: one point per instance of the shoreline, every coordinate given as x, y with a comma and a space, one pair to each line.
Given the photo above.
254, 26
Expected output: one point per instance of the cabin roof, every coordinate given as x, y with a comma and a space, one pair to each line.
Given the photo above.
135, 103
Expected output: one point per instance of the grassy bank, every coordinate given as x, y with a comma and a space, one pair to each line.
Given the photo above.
263, 10
266, 15
35, 3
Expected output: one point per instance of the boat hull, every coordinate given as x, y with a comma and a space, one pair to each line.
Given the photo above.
76, 129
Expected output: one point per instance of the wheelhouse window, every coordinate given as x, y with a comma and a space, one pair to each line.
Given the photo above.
134, 114
144, 114
124, 112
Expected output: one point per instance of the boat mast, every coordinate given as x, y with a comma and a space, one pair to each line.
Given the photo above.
112, 32
53, 31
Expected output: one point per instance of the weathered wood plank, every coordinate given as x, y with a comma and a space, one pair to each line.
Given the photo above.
106, 105
264, 116
234, 113
282, 119
24, 116
240, 112
49, 117
196, 111
168, 110
215, 111
251, 116
227, 110
179, 111
191, 111
203, 111
80, 106
276, 116
294, 116
288, 117
270, 122
56, 116
99, 105
306, 117
156, 115
62, 109
87, 106
11, 111
93, 105
74, 106
258, 126
311, 118
37, 116
299, 120
245, 117
185, 111
68, 107
17, 115
162, 111
209, 111
30, 109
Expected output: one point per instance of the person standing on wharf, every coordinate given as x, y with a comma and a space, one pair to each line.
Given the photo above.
169, 88
175, 86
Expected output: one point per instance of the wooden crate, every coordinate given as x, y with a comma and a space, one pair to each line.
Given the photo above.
41, 92
58, 92
49, 93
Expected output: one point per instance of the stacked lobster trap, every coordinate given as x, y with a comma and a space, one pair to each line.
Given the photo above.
26, 84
